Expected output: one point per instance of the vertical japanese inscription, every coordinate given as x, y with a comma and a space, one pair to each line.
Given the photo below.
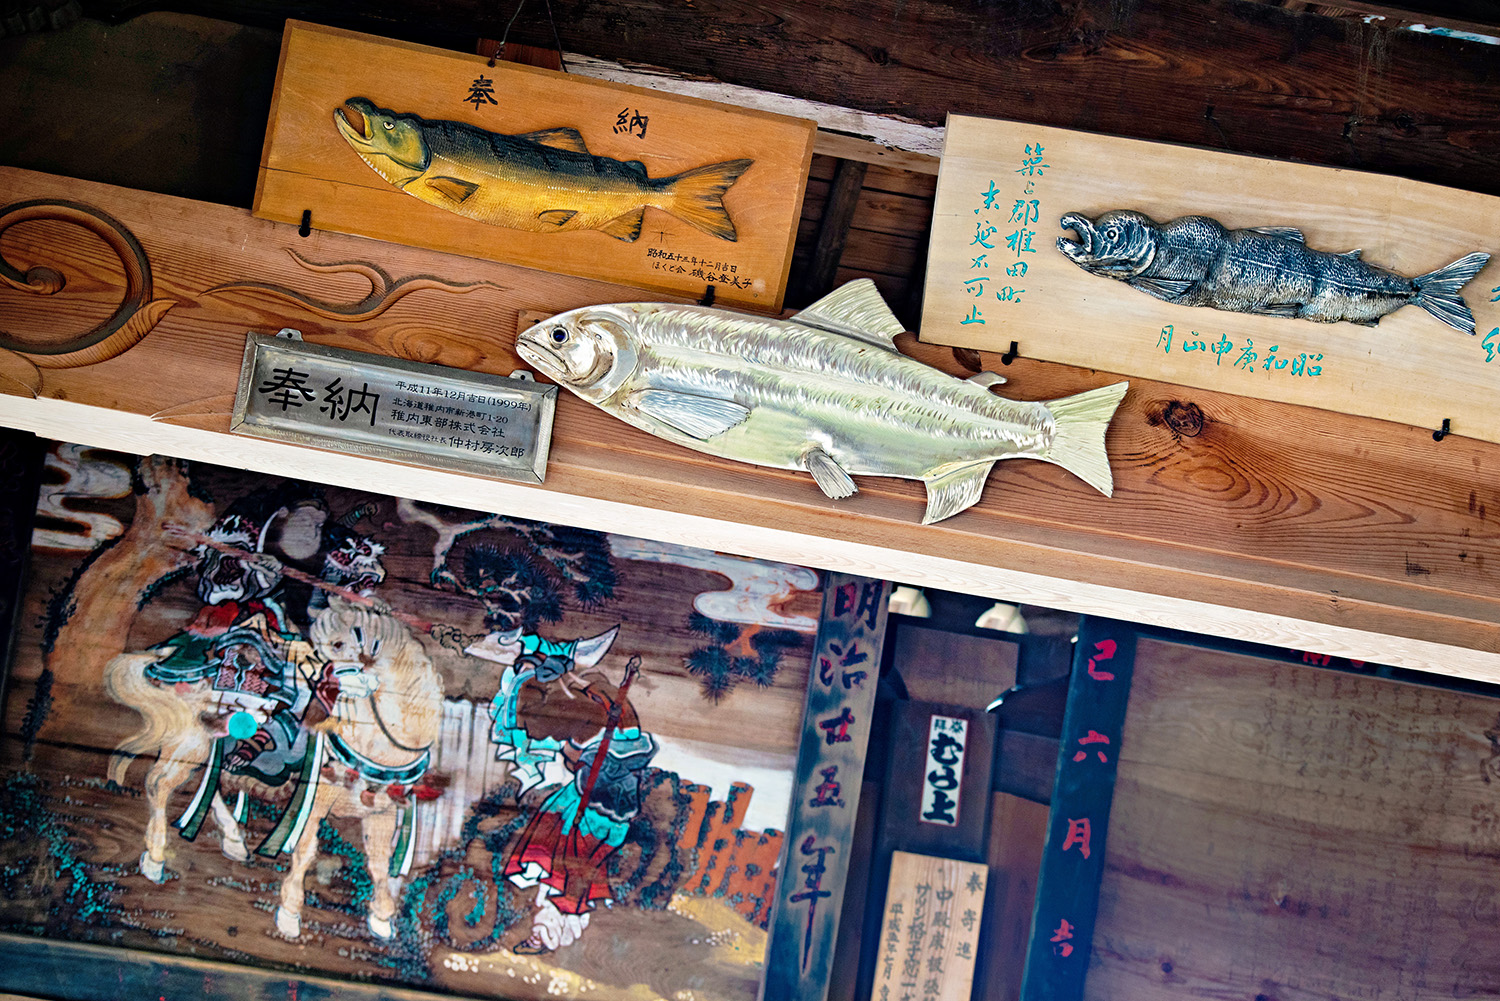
1068, 889
1012, 250
947, 739
835, 734
929, 939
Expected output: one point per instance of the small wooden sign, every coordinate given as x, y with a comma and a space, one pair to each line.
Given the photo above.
995, 273
368, 404
937, 790
441, 149
929, 937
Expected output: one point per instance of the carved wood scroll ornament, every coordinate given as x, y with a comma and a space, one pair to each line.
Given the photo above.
132, 320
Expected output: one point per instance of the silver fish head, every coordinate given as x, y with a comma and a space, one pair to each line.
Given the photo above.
390, 143
592, 350
1119, 245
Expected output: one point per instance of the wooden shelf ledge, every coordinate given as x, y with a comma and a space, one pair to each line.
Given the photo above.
1231, 517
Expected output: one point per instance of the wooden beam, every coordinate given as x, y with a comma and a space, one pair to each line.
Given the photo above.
1231, 517
1225, 74
816, 280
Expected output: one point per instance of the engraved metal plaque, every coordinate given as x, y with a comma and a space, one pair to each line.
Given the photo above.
388, 408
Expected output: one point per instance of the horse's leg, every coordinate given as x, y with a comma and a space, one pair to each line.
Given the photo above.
378, 830
289, 913
233, 836
171, 769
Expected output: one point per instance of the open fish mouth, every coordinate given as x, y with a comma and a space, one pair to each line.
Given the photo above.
1086, 247
353, 122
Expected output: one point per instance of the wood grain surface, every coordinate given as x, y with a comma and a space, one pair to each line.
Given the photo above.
1289, 832
1223, 74
1231, 516
929, 938
1410, 368
307, 164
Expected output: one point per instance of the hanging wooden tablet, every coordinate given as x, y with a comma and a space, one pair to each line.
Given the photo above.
929, 937
1228, 304
444, 150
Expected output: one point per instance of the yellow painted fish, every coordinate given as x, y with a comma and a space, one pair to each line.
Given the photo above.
540, 182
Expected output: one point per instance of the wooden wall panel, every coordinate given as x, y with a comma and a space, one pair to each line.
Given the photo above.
1288, 832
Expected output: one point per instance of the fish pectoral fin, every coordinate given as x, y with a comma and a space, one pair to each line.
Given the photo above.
452, 188
1285, 232
701, 417
1284, 309
556, 217
831, 477
855, 309
626, 227
560, 138
987, 379
955, 490
1163, 288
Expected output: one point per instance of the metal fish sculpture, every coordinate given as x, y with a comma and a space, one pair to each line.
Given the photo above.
1196, 261
540, 182
825, 391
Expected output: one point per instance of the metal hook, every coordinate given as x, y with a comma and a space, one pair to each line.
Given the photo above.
1012, 354
1443, 431
708, 297
306, 228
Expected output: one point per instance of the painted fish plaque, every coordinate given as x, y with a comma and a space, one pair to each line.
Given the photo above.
1280, 281
826, 392
368, 404
441, 149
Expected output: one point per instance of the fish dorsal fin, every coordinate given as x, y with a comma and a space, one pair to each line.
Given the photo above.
987, 379
1353, 255
1163, 288
636, 167
452, 188
831, 477
566, 138
955, 490
1285, 232
855, 309
556, 217
626, 227
702, 417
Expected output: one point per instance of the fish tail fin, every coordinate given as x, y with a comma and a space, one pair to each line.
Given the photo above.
697, 196
1078, 444
1437, 291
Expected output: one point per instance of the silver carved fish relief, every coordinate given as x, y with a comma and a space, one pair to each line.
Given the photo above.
1196, 261
825, 391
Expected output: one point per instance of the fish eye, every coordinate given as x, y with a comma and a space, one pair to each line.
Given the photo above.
1112, 233
559, 334
388, 125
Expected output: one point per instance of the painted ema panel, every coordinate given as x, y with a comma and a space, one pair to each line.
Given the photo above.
942, 785
512, 163
273, 723
996, 273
